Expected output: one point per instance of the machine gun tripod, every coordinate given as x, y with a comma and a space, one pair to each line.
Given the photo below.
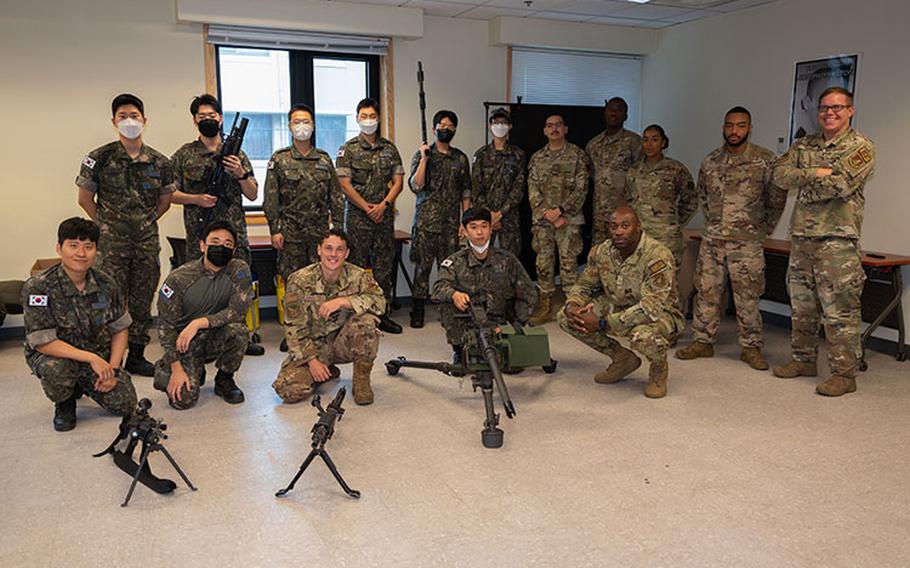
488, 348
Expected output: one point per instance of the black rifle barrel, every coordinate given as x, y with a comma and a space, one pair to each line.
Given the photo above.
423, 102
325, 426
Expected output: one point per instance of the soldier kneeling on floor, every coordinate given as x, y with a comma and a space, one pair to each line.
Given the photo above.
76, 328
331, 310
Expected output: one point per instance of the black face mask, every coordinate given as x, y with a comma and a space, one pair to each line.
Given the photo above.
219, 255
445, 135
209, 127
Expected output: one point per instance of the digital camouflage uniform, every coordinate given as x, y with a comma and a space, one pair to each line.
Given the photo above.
611, 156
349, 335
302, 196
193, 291
498, 183
825, 264
87, 320
499, 283
192, 163
371, 169
437, 213
741, 206
663, 194
638, 296
127, 193
557, 178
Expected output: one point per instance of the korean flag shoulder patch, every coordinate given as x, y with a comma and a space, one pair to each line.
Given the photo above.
167, 291
37, 300
340, 153
446, 263
88, 162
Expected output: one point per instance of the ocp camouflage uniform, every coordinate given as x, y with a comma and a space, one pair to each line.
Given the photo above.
371, 169
825, 263
498, 283
302, 198
87, 319
192, 163
346, 336
498, 183
611, 156
127, 193
557, 178
741, 206
193, 291
663, 194
437, 213
638, 296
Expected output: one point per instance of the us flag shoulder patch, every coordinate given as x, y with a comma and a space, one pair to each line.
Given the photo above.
37, 300
88, 162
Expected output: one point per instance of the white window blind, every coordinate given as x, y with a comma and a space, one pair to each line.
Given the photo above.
577, 78
295, 40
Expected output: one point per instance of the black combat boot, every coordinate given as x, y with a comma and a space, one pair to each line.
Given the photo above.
417, 313
388, 325
226, 388
457, 355
136, 363
65, 413
254, 349
284, 346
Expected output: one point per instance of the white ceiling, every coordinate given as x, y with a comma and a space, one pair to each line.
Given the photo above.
654, 14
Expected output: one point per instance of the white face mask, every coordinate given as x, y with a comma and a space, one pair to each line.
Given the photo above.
130, 128
302, 131
368, 127
500, 130
480, 249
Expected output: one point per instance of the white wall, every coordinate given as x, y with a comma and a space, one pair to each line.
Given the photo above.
703, 68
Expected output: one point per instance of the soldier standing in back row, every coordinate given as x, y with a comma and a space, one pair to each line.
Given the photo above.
612, 153
829, 173
742, 206
125, 187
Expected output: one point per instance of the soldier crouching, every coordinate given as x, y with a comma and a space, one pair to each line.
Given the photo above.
331, 310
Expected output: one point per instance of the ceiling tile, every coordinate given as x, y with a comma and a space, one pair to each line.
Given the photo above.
490, 12
590, 7
741, 5
690, 16
628, 22
436, 8
563, 16
536, 5
649, 11
376, 2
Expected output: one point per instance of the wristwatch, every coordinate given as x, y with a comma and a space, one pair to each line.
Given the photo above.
388, 203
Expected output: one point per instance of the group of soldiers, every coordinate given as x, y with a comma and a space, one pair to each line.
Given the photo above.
81, 320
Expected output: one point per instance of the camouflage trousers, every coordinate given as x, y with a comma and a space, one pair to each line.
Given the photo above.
297, 254
547, 241
357, 341
60, 378
826, 273
508, 238
651, 339
373, 246
427, 248
745, 261
137, 273
226, 345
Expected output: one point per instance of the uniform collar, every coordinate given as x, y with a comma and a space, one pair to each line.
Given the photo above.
344, 277
731, 157
836, 140
313, 155
121, 154
474, 262
610, 138
200, 146
365, 144
69, 289
636, 254
648, 166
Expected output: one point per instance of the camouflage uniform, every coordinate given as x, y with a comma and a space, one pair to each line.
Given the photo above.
742, 206
498, 183
499, 283
302, 196
638, 295
193, 291
663, 195
825, 265
87, 320
348, 335
371, 168
437, 214
557, 178
611, 155
192, 163
127, 193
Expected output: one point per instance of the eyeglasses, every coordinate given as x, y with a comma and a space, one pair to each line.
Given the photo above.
836, 109
554, 125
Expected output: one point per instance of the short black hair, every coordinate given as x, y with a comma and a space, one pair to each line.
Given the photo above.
368, 103
437, 118
836, 91
336, 232
79, 229
125, 99
739, 110
501, 112
205, 100
303, 107
663, 134
556, 113
617, 99
476, 214
220, 225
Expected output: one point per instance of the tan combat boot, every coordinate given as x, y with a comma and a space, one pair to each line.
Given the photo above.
753, 357
624, 362
695, 350
657, 379
542, 315
363, 394
836, 385
795, 369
